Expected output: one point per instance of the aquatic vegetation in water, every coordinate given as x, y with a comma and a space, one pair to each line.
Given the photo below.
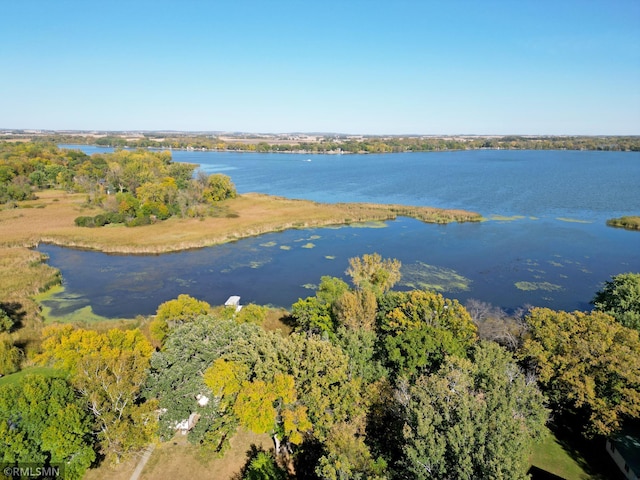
310, 286
430, 277
314, 237
330, 257
555, 264
309, 245
573, 220
285, 247
184, 282
373, 224
60, 306
503, 218
531, 286
268, 244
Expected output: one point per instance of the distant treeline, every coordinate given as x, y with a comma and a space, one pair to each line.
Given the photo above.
348, 144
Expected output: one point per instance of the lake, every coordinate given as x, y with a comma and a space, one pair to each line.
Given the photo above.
545, 243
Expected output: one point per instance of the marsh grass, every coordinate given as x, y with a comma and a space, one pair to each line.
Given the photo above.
23, 274
254, 214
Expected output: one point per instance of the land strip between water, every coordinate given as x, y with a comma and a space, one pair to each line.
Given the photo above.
50, 219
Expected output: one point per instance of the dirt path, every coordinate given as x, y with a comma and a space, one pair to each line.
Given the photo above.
143, 461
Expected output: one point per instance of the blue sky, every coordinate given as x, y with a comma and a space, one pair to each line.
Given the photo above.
361, 67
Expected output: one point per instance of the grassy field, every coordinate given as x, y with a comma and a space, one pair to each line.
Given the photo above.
179, 459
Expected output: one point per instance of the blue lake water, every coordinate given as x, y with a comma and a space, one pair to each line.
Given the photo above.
556, 253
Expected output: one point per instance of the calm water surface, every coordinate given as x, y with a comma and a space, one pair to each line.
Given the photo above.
554, 250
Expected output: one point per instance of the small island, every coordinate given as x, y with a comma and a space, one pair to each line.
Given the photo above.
626, 222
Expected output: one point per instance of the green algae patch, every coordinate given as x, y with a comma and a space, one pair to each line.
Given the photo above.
56, 300
309, 245
373, 224
573, 220
268, 244
430, 277
285, 247
531, 286
314, 237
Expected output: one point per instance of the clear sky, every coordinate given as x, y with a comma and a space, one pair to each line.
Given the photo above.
347, 66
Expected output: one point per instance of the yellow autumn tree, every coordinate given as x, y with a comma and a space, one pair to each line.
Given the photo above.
108, 369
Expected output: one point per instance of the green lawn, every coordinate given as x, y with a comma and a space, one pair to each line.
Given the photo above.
550, 456
15, 377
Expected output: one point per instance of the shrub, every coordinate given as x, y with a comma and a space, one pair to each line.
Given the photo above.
84, 222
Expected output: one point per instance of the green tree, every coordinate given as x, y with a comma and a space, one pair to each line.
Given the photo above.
42, 421
316, 315
10, 355
372, 272
620, 298
348, 457
421, 328
312, 316
6, 322
471, 420
588, 364
264, 467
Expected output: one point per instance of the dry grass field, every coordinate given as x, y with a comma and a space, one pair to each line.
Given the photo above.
50, 219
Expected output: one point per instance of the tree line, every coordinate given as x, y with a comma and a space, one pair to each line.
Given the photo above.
371, 382
351, 144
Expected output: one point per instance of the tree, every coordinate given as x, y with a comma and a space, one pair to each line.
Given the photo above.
252, 313
356, 310
588, 364
312, 316
495, 324
348, 457
471, 420
182, 371
421, 328
10, 355
322, 381
272, 407
620, 298
372, 272
42, 421
175, 312
264, 467
219, 187
108, 369
316, 315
